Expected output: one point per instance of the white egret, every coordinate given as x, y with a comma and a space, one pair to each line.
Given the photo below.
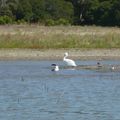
69, 62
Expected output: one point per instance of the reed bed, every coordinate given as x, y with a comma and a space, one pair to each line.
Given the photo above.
58, 37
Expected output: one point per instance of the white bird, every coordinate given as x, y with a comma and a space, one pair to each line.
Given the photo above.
69, 62
55, 67
113, 68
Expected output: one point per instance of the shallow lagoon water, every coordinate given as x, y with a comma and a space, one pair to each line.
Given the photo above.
29, 90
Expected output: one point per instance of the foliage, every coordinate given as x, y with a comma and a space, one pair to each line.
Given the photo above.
98, 12
8, 7
5, 20
61, 21
24, 10
49, 22
22, 21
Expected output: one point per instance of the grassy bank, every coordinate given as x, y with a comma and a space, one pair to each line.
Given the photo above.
40, 37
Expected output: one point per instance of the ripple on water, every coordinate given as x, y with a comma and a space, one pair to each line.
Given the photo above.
30, 90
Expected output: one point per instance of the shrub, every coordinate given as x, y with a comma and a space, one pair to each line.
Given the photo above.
5, 20
49, 22
62, 21
2, 21
22, 21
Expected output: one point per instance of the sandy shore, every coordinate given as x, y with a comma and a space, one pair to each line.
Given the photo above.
30, 54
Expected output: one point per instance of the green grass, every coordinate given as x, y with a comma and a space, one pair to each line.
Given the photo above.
40, 37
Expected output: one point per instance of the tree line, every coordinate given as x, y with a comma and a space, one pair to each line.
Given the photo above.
55, 12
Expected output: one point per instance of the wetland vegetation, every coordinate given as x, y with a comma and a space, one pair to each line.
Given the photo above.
58, 37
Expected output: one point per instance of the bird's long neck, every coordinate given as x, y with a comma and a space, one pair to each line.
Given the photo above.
65, 57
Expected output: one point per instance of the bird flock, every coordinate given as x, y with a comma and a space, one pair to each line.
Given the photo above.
71, 63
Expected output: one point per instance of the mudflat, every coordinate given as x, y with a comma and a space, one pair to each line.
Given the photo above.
57, 54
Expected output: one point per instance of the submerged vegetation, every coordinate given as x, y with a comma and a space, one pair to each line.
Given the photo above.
58, 37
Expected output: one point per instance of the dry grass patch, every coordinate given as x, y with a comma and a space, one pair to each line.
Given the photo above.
41, 37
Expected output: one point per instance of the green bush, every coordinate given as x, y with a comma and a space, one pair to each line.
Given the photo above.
62, 21
22, 21
5, 20
2, 21
49, 22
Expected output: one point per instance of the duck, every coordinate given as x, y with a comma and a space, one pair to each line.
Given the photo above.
55, 67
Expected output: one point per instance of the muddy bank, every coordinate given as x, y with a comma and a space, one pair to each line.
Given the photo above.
30, 54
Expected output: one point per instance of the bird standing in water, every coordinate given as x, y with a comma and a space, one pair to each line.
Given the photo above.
69, 62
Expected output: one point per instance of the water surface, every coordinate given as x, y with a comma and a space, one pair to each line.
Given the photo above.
29, 90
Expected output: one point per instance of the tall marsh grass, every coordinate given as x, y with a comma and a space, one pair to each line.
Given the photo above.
57, 37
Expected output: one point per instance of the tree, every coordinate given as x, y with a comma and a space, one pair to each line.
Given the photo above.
114, 13
90, 11
102, 13
57, 9
38, 10
8, 7
80, 7
24, 10
98, 12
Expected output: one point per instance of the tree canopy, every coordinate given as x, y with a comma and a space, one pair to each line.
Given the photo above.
77, 12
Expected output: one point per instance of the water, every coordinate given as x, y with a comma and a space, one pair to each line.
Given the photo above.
29, 90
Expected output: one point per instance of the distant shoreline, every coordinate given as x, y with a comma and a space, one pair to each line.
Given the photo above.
57, 54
